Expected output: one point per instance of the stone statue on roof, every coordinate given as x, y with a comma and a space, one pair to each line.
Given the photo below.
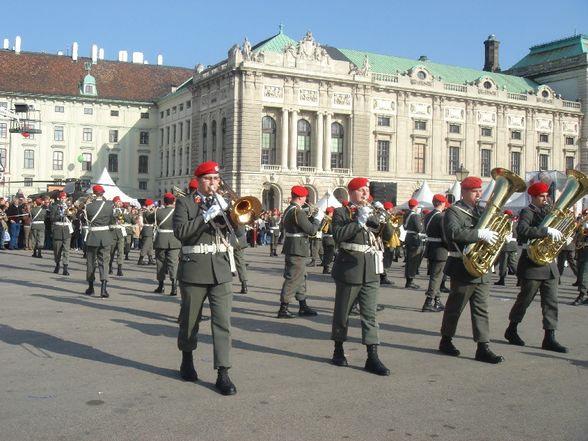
246, 49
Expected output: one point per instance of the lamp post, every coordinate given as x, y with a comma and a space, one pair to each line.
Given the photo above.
461, 173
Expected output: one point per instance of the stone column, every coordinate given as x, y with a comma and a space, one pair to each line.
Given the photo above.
327, 144
319, 142
293, 140
284, 145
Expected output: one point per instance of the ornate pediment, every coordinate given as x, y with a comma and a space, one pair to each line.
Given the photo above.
308, 50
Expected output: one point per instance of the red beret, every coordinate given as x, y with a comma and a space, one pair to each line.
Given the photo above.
329, 210
508, 212
299, 190
357, 183
39, 201
413, 203
471, 182
148, 202
538, 188
193, 185
388, 205
62, 194
116, 199
439, 198
125, 205
98, 188
426, 211
206, 168
345, 202
169, 198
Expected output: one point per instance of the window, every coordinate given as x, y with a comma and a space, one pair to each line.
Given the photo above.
268, 140
543, 137
161, 137
143, 185
174, 109
167, 163
303, 144
515, 162
114, 113
213, 130
180, 158
188, 129
143, 138
456, 129
543, 161
223, 140
86, 161
167, 136
516, 134
418, 158
204, 143
167, 112
113, 163
569, 162
336, 145
420, 125
57, 160
570, 140
174, 133
113, 136
188, 104
3, 157
29, 159
3, 130
161, 114
161, 164
173, 162
485, 162
383, 121
453, 160
143, 164
181, 107
58, 133
88, 111
59, 109
144, 115
383, 156
28, 182
87, 134
188, 161
181, 131
486, 131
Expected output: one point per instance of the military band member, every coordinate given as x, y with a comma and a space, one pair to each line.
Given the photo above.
298, 226
38, 214
128, 224
99, 216
414, 243
147, 235
239, 243
356, 272
119, 233
205, 272
167, 246
274, 227
536, 278
328, 240
507, 259
389, 245
436, 253
581, 244
459, 224
61, 229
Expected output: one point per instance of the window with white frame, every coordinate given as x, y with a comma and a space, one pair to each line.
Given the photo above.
88, 111
113, 136
59, 109
418, 157
58, 133
268, 140
486, 131
383, 155
485, 162
516, 135
29, 159
543, 137
543, 161
86, 161
87, 134
337, 142
420, 125
143, 137
515, 162
3, 130
383, 121
113, 163
303, 143
57, 160
455, 129
144, 163
453, 159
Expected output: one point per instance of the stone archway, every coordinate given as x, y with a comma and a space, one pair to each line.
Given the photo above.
312, 195
270, 197
341, 194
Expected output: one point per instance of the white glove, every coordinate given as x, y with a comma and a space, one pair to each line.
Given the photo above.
569, 240
319, 215
211, 213
362, 214
221, 202
509, 238
378, 205
554, 234
488, 236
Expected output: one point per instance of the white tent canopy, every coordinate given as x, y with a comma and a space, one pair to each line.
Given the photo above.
455, 191
424, 196
328, 200
487, 190
111, 189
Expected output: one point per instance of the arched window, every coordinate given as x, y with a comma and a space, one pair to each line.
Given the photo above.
213, 147
336, 145
204, 143
268, 140
223, 141
303, 144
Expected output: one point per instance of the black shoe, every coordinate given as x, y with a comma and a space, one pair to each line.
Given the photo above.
65, 271
159, 289
56, 270
411, 285
576, 283
174, 288
579, 300
243, 288
551, 344
500, 282
326, 270
380, 308
305, 310
103, 292
354, 309
339, 355
34, 253
373, 363
224, 384
284, 312
429, 305
151, 262
485, 355
446, 346
119, 271
126, 257
386, 281
39, 255
444, 289
512, 335
90, 290
141, 262
187, 370
438, 305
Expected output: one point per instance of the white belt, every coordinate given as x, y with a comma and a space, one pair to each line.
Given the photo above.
165, 231
411, 232
120, 227
512, 240
356, 247
457, 254
99, 228
127, 225
38, 222
296, 235
274, 228
327, 235
61, 224
204, 248
147, 225
434, 239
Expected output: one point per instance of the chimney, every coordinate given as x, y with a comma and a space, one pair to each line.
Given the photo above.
17, 45
160, 60
6, 44
122, 56
74, 51
101, 53
491, 54
59, 53
138, 57
94, 54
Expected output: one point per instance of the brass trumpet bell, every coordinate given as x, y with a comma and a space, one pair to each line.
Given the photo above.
245, 210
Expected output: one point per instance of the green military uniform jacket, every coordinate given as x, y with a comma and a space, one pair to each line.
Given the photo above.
413, 224
119, 218
162, 219
128, 223
436, 248
38, 215
147, 230
101, 236
59, 222
298, 226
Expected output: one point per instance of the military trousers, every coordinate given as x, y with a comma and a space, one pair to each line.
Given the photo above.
38, 238
507, 262
562, 257
328, 252
435, 276
583, 270
414, 256
220, 298
96, 257
118, 247
367, 298
476, 294
548, 292
316, 249
146, 246
294, 279
167, 262
61, 250
240, 264
128, 240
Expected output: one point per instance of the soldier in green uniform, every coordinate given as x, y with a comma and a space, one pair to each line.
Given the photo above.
167, 246
147, 235
581, 245
61, 229
119, 233
536, 278
38, 214
128, 224
273, 224
239, 243
356, 271
99, 217
414, 243
507, 259
328, 240
436, 253
459, 227
205, 268
297, 226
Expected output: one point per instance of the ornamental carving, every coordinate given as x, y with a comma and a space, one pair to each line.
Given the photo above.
569, 127
420, 110
456, 114
308, 49
515, 121
383, 105
342, 99
308, 96
543, 125
273, 92
365, 69
487, 117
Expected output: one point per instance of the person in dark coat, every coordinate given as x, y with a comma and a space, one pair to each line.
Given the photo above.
436, 253
414, 243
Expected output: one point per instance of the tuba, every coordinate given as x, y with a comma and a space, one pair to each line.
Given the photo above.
544, 250
479, 257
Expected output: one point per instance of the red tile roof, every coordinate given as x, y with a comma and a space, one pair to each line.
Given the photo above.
46, 74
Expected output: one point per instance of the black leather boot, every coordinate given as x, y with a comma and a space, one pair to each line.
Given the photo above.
223, 382
512, 335
159, 288
174, 288
110, 270
90, 289
284, 312
56, 270
126, 256
373, 363
439, 306
243, 288
339, 355
443, 288
140, 261
151, 261
410, 285
446, 346
579, 300
485, 355
187, 371
355, 309
500, 282
103, 292
39, 255
305, 310
551, 344
65, 271
384, 280
429, 305
119, 271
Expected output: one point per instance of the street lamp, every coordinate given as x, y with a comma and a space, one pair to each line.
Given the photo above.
461, 173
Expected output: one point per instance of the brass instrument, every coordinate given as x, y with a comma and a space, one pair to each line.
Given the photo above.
81, 202
178, 192
326, 224
245, 209
544, 250
479, 257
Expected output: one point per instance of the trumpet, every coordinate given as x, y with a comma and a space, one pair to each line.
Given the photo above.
178, 192
244, 210
310, 209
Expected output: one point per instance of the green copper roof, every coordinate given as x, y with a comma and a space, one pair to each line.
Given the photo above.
277, 43
449, 74
555, 50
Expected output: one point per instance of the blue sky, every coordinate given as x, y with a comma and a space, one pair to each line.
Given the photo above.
190, 32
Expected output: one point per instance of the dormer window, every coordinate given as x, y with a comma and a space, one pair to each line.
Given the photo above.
89, 86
